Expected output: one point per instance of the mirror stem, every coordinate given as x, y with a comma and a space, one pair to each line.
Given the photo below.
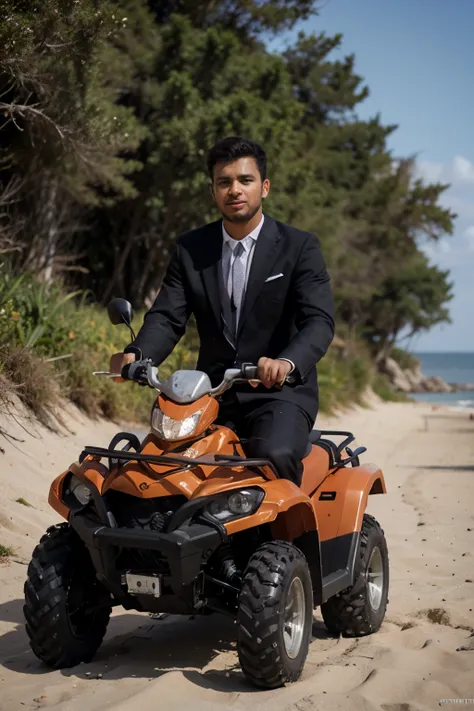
129, 326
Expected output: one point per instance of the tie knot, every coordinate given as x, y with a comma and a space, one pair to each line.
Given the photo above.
239, 250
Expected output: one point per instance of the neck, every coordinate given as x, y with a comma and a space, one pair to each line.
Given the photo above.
239, 230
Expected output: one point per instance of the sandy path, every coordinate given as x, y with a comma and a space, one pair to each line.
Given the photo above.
423, 653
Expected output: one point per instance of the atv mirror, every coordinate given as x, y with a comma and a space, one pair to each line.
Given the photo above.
120, 311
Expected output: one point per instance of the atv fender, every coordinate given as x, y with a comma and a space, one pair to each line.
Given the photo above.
55, 496
285, 507
89, 471
341, 501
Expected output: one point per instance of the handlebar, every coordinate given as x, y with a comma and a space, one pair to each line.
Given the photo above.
250, 372
145, 373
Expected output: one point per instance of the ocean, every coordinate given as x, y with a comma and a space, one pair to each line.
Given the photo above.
452, 367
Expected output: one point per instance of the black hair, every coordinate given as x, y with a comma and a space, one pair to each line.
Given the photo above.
233, 147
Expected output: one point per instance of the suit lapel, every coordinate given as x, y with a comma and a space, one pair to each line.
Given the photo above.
266, 250
210, 273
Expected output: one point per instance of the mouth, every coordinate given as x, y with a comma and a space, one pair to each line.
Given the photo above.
238, 203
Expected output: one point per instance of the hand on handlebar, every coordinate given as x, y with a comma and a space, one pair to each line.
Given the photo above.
118, 361
272, 372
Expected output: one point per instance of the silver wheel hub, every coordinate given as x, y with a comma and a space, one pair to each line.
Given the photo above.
375, 578
294, 617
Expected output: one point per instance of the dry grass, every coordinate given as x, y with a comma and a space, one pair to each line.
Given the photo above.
27, 377
5, 552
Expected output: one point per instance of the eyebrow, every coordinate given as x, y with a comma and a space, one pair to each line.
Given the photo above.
240, 177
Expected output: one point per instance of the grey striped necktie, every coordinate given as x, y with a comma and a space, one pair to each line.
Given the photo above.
236, 284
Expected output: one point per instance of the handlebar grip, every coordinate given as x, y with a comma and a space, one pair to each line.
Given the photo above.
250, 372
136, 371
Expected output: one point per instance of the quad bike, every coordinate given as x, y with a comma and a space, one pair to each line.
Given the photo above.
183, 522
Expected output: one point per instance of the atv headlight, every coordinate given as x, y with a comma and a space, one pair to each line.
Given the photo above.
170, 429
78, 489
236, 504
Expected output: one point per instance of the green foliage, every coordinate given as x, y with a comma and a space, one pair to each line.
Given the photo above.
55, 341
382, 387
23, 502
343, 380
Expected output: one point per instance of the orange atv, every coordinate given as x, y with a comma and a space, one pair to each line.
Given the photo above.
183, 522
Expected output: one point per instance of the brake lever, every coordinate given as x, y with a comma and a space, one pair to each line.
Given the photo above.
290, 380
107, 374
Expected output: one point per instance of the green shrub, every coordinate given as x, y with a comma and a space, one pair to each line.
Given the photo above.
342, 380
54, 342
382, 386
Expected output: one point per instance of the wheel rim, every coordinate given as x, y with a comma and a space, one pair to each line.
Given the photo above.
375, 578
295, 609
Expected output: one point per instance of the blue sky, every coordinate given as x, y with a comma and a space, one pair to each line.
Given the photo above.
417, 58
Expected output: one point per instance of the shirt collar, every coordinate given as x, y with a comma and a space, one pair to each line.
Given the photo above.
246, 240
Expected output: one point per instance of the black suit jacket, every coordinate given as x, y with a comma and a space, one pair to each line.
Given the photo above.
289, 317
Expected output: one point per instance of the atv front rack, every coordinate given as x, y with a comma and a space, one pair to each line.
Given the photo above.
221, 460
118, 456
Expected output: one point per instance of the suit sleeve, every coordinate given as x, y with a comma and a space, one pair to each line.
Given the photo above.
314, 309
165, 322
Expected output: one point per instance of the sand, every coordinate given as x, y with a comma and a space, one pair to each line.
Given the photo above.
423, 653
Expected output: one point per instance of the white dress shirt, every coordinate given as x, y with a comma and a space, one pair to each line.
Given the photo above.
228, 253
228, 249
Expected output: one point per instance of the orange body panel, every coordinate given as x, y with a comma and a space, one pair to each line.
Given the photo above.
352, 487
316, 469
90, 469
55, 495
289, 509
281, 496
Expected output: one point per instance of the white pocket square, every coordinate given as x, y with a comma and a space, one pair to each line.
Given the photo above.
272, 278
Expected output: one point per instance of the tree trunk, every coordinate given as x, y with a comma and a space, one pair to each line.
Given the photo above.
51, 235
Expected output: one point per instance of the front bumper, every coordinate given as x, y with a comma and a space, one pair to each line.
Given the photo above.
185, 549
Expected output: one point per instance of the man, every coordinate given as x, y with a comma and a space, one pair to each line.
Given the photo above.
260, 293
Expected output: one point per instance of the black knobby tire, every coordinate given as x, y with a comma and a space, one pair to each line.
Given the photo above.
261, 616
66, 609
351, 612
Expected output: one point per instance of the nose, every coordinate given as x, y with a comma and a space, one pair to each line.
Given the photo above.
235, 189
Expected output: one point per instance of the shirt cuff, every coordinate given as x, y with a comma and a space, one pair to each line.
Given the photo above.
136, 351
290, 362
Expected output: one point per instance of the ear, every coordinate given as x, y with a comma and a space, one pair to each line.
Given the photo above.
265, 188
211, 190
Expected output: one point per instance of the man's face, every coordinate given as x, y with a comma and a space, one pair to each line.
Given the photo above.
238, 189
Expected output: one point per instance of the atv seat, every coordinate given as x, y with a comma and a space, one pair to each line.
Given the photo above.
315, 469
327, 444
314, 437
321, 456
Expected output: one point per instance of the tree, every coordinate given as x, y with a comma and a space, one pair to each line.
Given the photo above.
62, 132
411, 300
192, 101
107, 112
